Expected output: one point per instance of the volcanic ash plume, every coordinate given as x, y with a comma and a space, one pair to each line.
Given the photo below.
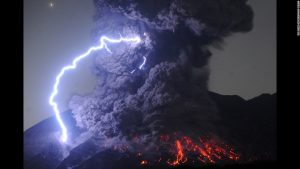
168, 96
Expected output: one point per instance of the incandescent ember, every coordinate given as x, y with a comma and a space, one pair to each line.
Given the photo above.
183, 150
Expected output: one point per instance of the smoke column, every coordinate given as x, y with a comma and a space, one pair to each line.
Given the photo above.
170, 95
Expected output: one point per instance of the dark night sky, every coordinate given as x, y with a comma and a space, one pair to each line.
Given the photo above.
53, 35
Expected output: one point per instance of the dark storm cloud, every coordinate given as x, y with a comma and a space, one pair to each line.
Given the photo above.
170, 94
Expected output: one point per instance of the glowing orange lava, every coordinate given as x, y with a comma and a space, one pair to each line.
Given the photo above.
180, 158
174, 150
144, 162
206, 151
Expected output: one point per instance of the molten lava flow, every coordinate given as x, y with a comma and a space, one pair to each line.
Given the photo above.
206, 151
176, 150
180, 158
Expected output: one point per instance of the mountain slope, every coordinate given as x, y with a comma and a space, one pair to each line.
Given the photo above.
249, 123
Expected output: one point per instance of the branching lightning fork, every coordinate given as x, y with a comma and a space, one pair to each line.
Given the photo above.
103, 45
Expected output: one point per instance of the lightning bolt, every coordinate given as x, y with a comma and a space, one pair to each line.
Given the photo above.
144, 61
102, 45
141, 66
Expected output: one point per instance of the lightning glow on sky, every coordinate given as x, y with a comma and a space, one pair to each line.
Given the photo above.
102, 45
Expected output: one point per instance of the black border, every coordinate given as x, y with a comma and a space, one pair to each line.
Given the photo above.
287, 42
12, 81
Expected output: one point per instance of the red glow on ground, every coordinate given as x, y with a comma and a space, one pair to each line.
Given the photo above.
174, 150
180, 158
207, 151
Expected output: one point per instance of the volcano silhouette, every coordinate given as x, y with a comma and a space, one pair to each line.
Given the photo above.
251, 122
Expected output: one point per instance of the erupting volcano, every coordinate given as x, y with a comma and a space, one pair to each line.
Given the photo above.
171, 150
163, 114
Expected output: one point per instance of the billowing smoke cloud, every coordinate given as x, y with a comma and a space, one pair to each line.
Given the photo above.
170, 93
